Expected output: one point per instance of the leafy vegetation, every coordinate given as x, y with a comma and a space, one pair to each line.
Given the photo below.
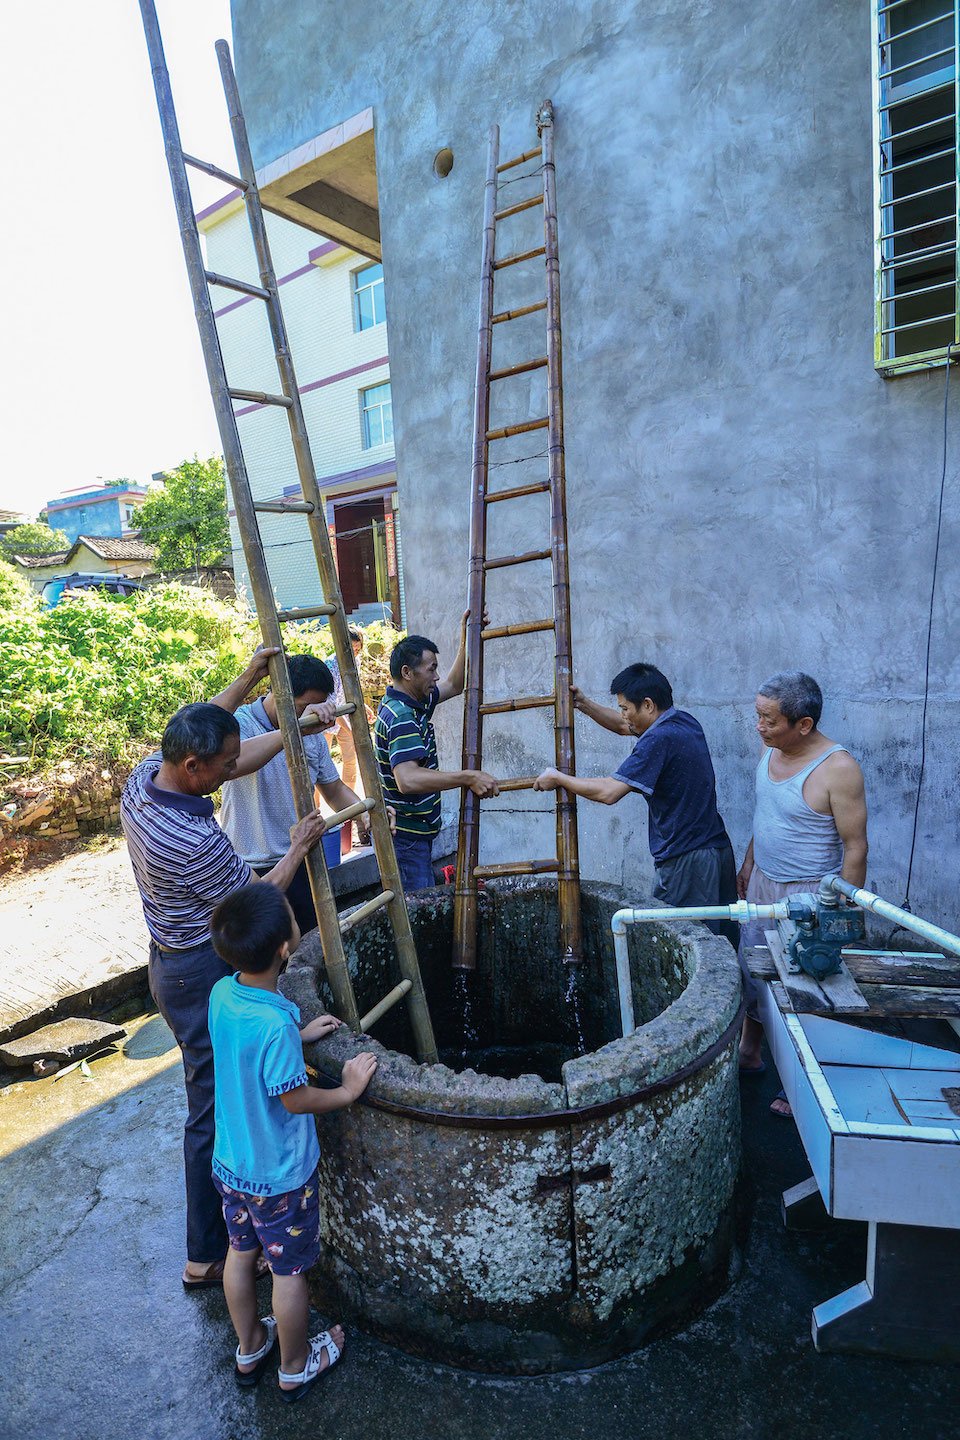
96, 678
33, 539
187, 518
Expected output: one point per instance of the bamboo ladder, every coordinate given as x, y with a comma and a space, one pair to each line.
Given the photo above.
566, 863
332, 928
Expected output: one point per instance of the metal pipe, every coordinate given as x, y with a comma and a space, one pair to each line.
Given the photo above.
877, 906
742, 911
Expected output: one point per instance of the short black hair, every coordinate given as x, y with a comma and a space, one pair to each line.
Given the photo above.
409, 651
199, 730
643, 682
250, 925
356, 634
309, 673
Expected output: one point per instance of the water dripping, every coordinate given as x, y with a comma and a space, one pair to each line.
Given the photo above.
464, 1020
572, 998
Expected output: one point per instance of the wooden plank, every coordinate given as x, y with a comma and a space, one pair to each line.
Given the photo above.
759, 962
927, 1002
781, 997
843, 993
805, 994
903, 968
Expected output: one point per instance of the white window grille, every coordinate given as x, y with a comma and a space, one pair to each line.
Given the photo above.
369, 304
915, 76
376, 409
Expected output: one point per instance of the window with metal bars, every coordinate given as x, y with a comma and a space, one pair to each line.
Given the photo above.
915, 87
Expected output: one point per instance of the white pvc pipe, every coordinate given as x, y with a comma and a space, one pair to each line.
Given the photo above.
742, 911
868, 901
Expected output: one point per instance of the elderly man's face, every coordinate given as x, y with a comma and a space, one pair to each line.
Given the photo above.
205, 776
774, 728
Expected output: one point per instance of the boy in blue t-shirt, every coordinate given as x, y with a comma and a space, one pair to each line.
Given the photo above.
266, 1151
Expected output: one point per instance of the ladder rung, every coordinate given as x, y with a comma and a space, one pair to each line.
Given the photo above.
310, 728
363, 912
340, 817
517, 259
523, 428
528, 627
525, 702
521, 782
215, 171
516, 867
228, 283
524, 559
283, 507
537, 488
515, 314
259, 398
306, 612
518, 160
518, 369
515, 209
387, 1003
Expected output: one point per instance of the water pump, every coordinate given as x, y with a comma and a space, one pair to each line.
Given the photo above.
822, 928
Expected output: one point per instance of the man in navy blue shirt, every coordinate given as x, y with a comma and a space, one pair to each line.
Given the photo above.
671, 768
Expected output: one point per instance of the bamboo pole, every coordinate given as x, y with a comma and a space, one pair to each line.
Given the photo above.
468, 843
523, 428
523, 702
518, 259
379, 822
382, 1006
515, 314
518, 160
524, 559
539, 487
571, 929
528, 627
517, 867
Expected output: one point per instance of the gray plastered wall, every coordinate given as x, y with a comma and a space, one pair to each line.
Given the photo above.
745, 493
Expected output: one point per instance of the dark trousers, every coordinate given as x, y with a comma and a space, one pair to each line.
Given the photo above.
701, 877
180, 983
300, 896
415, 859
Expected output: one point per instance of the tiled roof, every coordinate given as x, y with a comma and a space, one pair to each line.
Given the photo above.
36, 562
110, 548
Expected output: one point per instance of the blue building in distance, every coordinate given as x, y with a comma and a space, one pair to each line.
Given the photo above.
110, 510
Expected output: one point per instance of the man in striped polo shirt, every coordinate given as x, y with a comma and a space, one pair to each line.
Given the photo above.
184, 865
407, 754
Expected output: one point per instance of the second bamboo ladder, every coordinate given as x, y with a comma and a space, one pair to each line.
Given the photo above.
566, 863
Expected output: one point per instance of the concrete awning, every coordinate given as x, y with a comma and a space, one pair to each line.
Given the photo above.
329, 184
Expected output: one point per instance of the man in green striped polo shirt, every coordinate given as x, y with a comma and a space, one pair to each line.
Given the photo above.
407, 754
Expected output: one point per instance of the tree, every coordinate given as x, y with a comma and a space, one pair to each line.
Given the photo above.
33, 539
187, 519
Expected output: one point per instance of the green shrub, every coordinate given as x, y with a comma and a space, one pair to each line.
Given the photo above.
96, 678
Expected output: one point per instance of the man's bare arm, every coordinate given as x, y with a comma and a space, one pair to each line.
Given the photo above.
456, 675
848, 805
255, 752
604, 715
414, 779
605, 789
235, 694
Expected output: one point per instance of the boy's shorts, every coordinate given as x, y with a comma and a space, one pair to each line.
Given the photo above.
286, 1226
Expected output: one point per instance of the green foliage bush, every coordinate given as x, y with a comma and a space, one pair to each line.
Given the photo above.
97, 677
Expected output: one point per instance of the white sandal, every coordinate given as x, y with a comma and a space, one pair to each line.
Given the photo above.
259, 1358
313, 1369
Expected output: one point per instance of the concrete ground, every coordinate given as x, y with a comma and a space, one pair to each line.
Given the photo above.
101, 1343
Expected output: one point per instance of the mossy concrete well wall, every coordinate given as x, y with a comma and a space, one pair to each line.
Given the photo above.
471, 1218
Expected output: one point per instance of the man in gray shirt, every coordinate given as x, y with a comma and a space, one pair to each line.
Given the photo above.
257, 811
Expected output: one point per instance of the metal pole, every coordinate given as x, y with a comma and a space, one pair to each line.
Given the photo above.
379, 822
571, 932
468, 844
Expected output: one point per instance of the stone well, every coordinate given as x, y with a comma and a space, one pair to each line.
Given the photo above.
547, 1221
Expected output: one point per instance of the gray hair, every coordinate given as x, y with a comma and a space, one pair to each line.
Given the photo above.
797, 695
200, 730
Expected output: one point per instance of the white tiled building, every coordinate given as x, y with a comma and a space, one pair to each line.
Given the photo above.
335, 309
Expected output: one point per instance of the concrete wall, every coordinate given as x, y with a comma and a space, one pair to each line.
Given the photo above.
334, 363
745, 493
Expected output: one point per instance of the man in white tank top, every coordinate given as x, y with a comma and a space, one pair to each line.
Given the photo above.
810, 820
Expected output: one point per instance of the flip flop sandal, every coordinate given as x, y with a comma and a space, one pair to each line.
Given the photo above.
312, 1371
259, 1359
778, 1114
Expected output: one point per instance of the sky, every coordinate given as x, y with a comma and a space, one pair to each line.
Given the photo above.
102, 369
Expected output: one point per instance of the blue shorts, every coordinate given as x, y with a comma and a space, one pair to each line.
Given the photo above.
286, 1226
